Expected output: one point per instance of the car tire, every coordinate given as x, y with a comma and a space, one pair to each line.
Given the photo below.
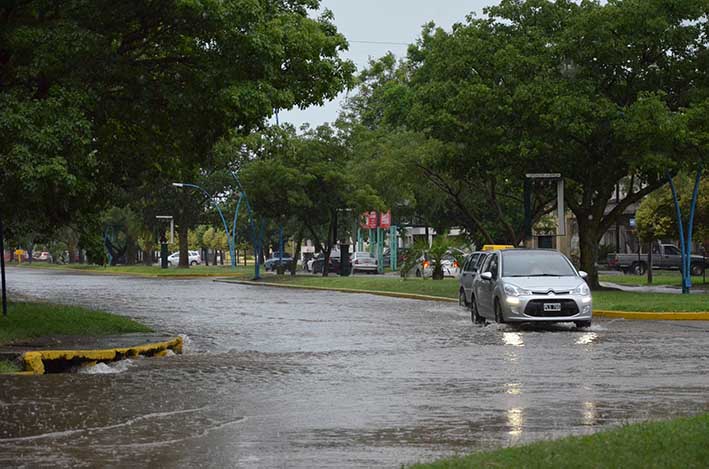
639, 268
499, 318
418, 273
169, 263
474, 314
193, 263
461, 298
583, 324
696, 269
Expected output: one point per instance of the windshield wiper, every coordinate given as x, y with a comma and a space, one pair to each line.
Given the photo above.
539, 275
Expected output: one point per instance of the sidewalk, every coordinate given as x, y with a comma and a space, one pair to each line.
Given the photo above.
652, 289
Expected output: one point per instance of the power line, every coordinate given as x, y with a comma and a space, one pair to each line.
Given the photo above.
380, 43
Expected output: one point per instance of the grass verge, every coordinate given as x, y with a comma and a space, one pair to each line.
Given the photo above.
30, 320
8, 367
150, 271
681, 442
448, 288
669, 279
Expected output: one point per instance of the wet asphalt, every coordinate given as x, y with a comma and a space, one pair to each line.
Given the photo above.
293, 378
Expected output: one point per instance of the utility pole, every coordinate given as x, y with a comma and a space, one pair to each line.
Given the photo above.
2, 267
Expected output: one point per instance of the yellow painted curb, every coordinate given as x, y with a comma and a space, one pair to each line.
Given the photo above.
34, 361
409, 296
678, 316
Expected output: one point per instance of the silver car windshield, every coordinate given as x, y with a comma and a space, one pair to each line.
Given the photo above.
535, 264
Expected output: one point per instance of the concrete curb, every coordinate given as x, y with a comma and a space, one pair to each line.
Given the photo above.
137, 274
408, 296
650, 316
647, 316
34, 361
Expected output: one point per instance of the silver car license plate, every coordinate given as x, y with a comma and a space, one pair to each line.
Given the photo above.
552, 307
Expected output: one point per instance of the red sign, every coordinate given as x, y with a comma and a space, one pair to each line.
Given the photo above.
372, 220
385, 220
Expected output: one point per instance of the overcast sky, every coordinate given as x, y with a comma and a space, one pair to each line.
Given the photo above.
391, 21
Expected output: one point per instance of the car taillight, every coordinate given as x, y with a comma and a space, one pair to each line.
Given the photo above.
455, 264
426, 264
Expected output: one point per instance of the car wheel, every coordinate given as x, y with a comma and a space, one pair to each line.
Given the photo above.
499, 318
461, 298
193, 263
474, 314
639, 268
697, 270
583, 324
169, 263
418, 273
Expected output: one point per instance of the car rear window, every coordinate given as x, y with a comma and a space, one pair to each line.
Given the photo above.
535, 264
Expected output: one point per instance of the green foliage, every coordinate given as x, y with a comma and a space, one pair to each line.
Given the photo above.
29, 320
99, 96
674, 443
596, 91
656, 216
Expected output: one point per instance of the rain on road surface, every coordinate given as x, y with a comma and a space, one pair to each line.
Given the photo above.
293, 378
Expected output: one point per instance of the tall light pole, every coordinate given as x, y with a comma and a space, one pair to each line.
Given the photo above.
2, 268
256, 236
230, 239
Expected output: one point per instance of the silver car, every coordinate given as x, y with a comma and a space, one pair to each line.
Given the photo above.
527, 285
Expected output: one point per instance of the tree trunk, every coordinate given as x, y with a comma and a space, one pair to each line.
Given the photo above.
131, 252
148, 256
649, 263
296, 253
216, 253
183, 231
589, 235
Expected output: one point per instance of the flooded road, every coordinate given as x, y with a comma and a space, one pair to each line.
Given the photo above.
293, 378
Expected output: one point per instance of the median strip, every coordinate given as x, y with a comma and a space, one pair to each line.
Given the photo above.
632, 315
409, 296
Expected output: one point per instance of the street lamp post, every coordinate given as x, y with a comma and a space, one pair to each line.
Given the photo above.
230, 239
255, 235
2, 268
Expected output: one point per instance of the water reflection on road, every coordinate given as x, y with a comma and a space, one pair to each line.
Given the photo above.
294, 378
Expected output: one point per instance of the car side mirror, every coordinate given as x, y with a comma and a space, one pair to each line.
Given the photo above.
486, 276
583, 274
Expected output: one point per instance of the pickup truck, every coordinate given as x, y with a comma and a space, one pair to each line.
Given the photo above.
664, 256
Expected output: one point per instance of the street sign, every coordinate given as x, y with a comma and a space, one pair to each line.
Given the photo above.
372, 220
385, 219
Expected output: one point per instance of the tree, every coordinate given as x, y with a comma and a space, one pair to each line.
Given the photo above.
103, 95
307, 178
597, 92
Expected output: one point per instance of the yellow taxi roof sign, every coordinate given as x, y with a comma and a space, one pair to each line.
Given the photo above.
496, 247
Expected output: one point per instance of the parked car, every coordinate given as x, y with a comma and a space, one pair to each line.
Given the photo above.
273, 263
528, 285
194, 258
424, 266
469, 271
664, 256
41, 256
363, 261
334, 265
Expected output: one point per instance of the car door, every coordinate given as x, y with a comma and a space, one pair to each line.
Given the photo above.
468, 275
671, 258
485, 288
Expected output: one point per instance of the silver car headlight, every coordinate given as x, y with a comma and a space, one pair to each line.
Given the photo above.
515, 291
584, 292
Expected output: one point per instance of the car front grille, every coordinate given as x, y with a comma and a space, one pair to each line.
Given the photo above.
536, 308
